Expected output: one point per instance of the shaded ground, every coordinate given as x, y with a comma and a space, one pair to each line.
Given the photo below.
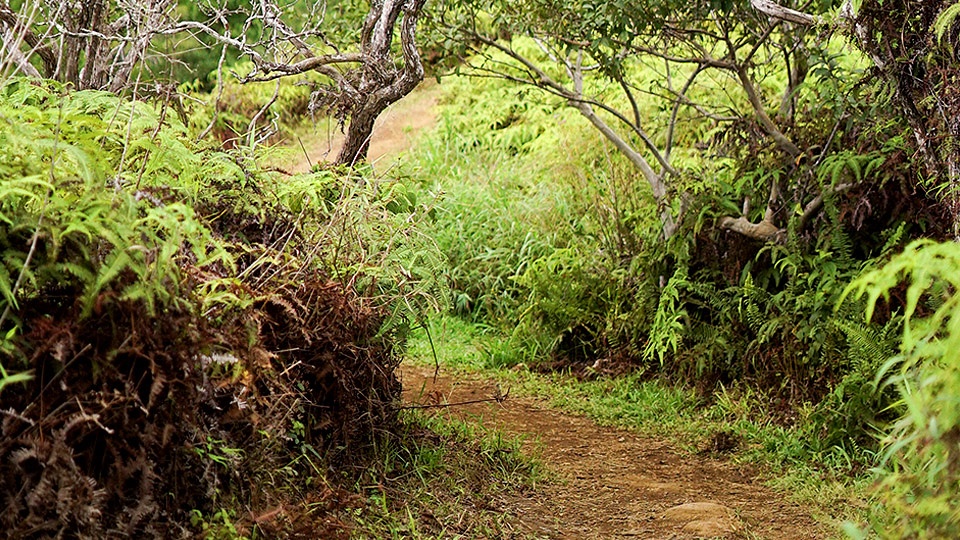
613, 483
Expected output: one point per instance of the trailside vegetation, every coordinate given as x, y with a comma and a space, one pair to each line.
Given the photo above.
753, 169
739, 197
179, 326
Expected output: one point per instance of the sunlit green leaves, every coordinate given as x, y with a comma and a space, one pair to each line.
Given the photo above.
69, 198
920, 476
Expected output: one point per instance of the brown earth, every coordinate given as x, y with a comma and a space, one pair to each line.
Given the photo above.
614, 483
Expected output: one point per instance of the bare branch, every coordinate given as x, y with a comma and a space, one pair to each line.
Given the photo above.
10, 49
782, 13
585, 105
813, 206
216, 101
681, 97
782, 141
19, 26
764, 230
704, 60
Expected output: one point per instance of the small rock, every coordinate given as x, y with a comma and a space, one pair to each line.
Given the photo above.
703, 519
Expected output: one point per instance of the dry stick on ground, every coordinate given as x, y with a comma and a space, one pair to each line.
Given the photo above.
497, 398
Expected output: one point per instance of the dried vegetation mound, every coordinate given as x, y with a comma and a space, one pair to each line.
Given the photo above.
129, 425
158, 365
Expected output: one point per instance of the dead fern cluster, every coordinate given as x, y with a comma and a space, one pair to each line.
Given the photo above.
133, 420
176, 349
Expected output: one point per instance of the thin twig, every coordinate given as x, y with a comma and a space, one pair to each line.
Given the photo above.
498, 399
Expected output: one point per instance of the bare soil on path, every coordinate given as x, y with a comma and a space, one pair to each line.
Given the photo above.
614, 483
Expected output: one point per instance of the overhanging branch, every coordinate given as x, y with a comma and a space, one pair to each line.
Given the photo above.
782, 13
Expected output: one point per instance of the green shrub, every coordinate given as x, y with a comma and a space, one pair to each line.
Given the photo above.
79, 200
919, 478
168, 311
552, 238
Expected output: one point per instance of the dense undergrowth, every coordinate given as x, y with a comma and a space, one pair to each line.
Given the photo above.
182, 328
552, 241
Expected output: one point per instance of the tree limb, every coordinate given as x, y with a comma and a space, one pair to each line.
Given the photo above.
20, 28
764, 230
783, 13
782, 141
813, 206
680, 99
541, 79
10, 50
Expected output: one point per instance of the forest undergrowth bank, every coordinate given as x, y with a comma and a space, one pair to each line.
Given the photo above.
553, 244
192, 344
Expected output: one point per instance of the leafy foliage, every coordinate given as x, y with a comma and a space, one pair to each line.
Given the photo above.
173, 312
919, 475
58, 156
561, 249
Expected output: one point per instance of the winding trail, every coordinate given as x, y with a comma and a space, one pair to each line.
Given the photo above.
614, 483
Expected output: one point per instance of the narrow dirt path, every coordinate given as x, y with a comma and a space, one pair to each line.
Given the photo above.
614, 483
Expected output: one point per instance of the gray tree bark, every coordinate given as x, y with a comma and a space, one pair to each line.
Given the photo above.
381, 84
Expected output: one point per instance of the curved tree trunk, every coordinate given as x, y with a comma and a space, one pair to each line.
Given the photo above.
382, 84
356, 144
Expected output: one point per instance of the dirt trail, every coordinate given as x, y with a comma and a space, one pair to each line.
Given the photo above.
393, 132
616, 484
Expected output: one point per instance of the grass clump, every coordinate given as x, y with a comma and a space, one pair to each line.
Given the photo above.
443, 478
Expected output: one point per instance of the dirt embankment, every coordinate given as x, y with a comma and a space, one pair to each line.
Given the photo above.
614, 483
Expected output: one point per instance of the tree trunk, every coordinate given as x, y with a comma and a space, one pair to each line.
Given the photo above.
357, 141
381, 83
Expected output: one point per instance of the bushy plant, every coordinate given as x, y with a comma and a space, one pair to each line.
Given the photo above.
562, 249
79, 207
919, 477
172, 312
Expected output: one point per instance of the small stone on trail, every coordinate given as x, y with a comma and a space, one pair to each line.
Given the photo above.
703, 519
